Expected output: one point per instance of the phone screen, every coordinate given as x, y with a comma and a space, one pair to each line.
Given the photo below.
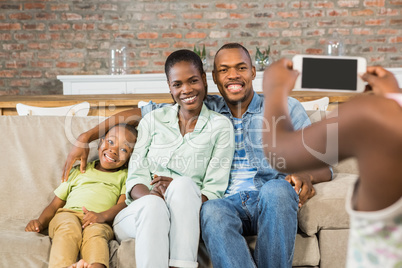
321, 73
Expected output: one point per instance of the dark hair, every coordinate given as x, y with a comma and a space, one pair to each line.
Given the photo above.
183, 55
234, 45
130, 128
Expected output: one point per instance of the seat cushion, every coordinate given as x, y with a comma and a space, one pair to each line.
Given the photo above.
347, 166
333, 247
125, 257
326, 210
306, 253
23, 249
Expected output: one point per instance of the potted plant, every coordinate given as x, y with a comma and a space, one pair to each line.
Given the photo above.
203, 55
262, 58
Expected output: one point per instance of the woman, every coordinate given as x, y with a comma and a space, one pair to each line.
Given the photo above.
182, 158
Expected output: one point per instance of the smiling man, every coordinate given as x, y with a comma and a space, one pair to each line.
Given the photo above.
259, 200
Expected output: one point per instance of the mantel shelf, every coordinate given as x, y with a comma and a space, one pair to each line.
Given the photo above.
128, 84
142, 83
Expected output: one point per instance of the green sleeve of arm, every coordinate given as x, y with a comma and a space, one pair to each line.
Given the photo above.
217, 174
138, 169
64, 188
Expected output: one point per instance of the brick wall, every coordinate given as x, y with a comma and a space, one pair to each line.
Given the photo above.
41, 39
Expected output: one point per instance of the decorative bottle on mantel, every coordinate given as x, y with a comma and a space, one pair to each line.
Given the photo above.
334, 45
118, 57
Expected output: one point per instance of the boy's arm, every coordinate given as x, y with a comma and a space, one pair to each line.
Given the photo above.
80, 149
105, 216
47, 215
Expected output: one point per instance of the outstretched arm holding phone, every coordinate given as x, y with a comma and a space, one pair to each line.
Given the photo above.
367, 127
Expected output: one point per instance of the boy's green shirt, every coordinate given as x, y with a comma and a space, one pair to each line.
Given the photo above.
97, 191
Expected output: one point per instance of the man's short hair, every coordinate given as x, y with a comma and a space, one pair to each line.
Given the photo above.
234, 45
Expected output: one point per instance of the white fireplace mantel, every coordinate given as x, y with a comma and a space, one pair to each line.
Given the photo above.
128, 84
142, 83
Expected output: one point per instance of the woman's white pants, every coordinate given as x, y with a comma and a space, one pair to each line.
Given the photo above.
166, 231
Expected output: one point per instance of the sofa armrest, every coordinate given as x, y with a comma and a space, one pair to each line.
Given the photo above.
326, 210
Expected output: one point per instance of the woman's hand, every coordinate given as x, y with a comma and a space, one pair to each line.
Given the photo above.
160, 183
34, 226
91, 217
80, 152
158, 190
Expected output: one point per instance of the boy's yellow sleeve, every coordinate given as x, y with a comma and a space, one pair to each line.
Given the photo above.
63, 190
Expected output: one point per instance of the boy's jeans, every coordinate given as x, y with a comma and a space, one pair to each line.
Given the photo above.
270, 213
166, 231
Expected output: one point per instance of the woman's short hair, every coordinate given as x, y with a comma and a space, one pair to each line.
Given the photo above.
186, 56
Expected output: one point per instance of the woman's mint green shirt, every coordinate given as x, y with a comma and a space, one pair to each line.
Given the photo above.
204, 155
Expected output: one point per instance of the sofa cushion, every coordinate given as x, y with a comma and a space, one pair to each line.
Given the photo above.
22, 249
36, 148
125, 256
306, 252
333, 247
326, 210
347, 166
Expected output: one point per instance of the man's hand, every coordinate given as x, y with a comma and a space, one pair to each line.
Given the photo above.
91, 217
34, 226
302, 183
80, 152
381, 81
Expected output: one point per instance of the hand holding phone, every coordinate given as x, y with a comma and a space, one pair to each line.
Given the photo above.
329, 73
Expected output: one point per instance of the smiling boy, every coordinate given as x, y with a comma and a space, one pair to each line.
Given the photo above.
80, 214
